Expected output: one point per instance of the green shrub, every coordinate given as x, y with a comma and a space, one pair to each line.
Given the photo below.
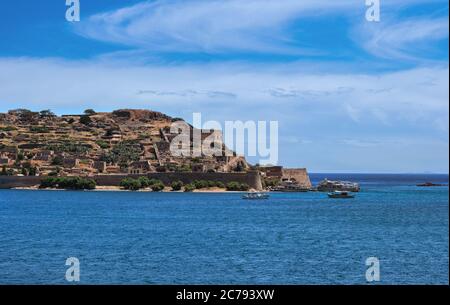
244, 187
123, 152
236, 186
200, 184
39, 129
220, 184
130, 184
90, 112
140, 183
145, 182
157, 187
85, 120
8, 128
57, 160
103, 144
154, 181
189, 188
177, 185
72, 183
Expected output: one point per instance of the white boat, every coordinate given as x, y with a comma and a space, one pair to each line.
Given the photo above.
256, 195
340, 194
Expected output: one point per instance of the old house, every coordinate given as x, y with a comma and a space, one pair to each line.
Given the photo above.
9, 152
5, 161
272, 172
70, 162
140, 167
44, 155
113, 169
100, 166
198, 168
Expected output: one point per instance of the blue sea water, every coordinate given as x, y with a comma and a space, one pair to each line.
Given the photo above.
178, 238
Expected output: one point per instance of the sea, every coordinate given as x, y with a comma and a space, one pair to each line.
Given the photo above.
219, 238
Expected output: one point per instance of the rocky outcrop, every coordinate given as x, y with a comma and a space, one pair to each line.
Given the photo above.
120, 139
140, 115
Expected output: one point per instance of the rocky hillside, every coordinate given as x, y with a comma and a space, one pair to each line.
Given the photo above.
123, 141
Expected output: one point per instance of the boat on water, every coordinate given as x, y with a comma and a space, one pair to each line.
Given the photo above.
289, 186
343, 186
256, 195
340, 194
429, 184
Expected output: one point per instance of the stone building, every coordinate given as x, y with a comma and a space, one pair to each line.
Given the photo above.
140, 167
100, 166
71, 162
44, 155
272, 172
298, 175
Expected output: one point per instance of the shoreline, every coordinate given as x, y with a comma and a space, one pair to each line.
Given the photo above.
119, 189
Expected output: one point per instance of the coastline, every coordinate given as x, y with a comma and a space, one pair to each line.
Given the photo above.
119, 189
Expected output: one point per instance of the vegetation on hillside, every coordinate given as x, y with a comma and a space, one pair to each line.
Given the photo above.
72, 183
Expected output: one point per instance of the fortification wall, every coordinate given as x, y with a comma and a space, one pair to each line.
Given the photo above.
253, 179
299, 174
7, 182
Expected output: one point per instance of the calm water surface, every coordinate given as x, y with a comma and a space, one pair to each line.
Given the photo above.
178, 238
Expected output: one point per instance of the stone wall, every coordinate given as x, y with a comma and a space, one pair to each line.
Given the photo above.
299, 174
7, 182
253, 179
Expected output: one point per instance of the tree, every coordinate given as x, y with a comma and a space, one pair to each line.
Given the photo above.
158, 187
20, 156
236, 186
85, 120
189, 188
58, 160
72, 183
130, 184
145, 182
47, 114
89, 112
177, 185
32, 171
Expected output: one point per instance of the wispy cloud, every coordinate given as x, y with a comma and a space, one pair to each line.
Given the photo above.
410, 39
218, 26
413, 95
207, 26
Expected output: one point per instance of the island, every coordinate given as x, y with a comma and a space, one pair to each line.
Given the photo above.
126, 149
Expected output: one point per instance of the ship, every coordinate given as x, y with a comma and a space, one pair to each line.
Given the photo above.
343, 186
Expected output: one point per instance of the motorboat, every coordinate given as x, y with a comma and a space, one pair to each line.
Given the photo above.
340, 194
256, 195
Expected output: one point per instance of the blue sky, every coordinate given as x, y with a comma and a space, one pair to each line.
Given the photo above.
350, 95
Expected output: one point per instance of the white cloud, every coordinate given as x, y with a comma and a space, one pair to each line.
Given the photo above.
209, 26
217, 26
406, 40
415, 95
409, 101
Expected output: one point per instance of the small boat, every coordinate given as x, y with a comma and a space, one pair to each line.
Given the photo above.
340, 194
256, 195
429, 184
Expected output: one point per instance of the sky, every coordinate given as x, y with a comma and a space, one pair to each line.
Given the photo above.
349, 95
